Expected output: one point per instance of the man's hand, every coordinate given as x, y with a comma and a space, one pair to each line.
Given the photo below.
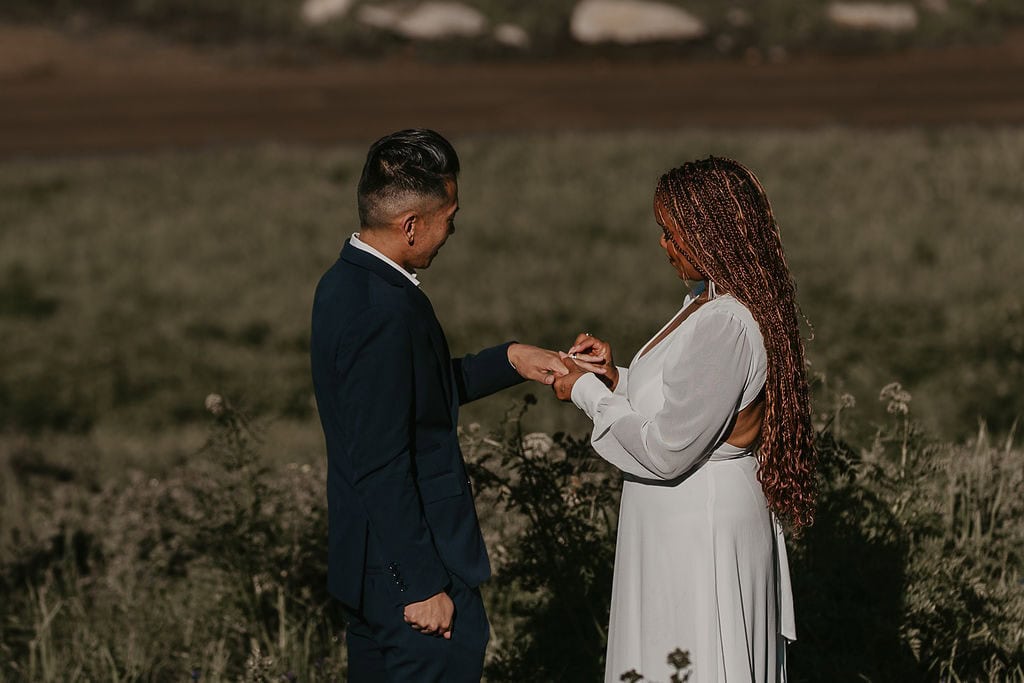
433, 616
564, 384
535, 363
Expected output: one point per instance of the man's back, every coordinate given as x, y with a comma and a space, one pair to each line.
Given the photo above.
397, 491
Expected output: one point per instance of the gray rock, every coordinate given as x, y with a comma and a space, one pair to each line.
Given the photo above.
511, 35
426, 21
316, 12
632, 21
873, 16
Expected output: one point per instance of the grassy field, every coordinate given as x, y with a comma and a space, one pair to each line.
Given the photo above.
133, 286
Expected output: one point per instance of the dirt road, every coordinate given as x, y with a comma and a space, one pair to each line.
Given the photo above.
117, 91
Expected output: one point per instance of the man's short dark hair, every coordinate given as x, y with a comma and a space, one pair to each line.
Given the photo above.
414, 162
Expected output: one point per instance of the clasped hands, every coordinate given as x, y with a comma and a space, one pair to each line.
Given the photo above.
587, 354
561, 369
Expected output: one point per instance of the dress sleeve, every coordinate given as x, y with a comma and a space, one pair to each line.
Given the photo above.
703, 381
621, 388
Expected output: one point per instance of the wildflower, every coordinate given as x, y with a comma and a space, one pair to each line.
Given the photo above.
215, 404
537, 445
570, 498
898, 398
847, 400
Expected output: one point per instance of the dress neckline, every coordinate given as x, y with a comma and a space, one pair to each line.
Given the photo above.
652, 344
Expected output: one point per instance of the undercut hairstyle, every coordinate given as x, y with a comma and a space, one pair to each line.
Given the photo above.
725, 217
409, 165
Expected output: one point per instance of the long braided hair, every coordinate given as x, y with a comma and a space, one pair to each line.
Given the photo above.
724, 216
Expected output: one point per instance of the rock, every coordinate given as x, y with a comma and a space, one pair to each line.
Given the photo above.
511, 35
632, 21
385, 18
873, 16
316, 12
426, 21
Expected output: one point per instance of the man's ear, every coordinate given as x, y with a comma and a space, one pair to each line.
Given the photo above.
409, 222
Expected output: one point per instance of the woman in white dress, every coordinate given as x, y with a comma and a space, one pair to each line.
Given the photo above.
710, 424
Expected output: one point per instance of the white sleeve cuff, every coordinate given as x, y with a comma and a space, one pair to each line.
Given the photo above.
620, 388
588, 392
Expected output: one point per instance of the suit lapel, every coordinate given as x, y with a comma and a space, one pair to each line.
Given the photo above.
437, 339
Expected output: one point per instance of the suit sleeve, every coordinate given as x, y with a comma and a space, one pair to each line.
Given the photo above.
482, 374
375, 366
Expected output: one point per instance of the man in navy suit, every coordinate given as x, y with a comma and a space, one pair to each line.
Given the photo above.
405, 552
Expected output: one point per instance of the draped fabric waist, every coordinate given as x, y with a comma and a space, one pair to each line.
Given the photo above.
723, 453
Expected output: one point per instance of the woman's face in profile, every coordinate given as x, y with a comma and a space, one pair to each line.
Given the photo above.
680, 255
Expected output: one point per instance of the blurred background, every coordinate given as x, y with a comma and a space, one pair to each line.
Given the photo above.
176, 175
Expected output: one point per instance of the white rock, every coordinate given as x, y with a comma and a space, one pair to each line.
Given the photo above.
511, 35
426, 21
316, 12
632, 21
386, 18
873, 16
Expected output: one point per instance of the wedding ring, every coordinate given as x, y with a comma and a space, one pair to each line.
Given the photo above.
572, 355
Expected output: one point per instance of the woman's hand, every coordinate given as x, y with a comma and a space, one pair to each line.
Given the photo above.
595, 355
563, 385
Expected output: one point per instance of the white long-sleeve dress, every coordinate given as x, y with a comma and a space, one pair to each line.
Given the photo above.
700, 561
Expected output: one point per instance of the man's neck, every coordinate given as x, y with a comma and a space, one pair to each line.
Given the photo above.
385, 244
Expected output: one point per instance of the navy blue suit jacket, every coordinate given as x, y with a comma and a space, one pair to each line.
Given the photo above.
388, 393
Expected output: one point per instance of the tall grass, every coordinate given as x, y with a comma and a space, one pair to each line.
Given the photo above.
216, 571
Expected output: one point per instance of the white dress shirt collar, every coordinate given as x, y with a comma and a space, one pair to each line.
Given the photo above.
359, 244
